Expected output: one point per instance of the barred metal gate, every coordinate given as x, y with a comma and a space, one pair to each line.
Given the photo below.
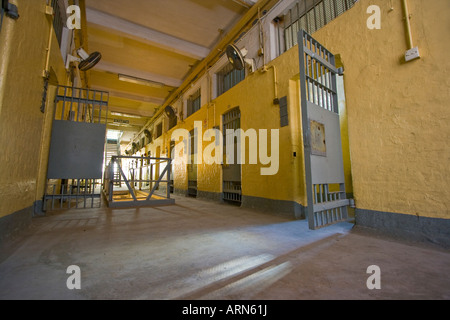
232, 185
77, 149
324, 166
192, 167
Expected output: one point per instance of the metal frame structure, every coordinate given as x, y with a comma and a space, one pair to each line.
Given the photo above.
141, 186
324, 171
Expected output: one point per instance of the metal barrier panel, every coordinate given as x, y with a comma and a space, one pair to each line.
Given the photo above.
77, 149
324, 166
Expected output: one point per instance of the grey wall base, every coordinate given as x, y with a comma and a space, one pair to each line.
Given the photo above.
206, 195
289, 209
180, 192
14, 223
420, 229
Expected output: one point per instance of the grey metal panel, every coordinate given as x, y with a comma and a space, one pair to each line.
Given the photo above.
329, 168
77, 150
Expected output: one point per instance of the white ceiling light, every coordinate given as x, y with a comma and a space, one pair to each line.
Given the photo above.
118, 114
144, 82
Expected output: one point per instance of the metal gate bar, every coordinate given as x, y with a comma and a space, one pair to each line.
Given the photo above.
70, 194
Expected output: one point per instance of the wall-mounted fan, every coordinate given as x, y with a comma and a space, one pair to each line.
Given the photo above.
86, 61
149, 135
170, 112
238, 58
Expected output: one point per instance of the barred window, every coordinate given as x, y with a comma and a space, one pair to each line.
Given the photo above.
194, 103
159, 130
311, 15
59, 19
173, 122
228, 77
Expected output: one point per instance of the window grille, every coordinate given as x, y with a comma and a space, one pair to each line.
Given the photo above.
228, 77
311, 15
59, 19
159, 130
194, 103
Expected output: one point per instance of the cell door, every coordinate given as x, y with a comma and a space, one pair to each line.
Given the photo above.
171, 176
231, 169
192, 167
324, 165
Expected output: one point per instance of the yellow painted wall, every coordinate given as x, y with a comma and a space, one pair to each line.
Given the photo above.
23, 127
398, 115
255, 97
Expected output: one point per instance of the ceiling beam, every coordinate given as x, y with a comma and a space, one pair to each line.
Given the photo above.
133, 112
119, 69
138, 32
130, 96
246, 3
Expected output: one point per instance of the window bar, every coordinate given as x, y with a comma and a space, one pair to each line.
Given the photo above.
53, 197
69, 192
84, 192
100, 110
86, 106
327, 84
64, 103
335, 210
326, 200
61, 196
79, 105
78, 192
319, 87
316, 86
325, 75
71, 104
94, 96
323, 86
316, 19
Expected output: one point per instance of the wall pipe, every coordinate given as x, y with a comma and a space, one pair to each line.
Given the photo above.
407, 18
49, 13
275, 80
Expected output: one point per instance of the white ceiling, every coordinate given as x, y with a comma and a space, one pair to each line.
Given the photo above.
157, 40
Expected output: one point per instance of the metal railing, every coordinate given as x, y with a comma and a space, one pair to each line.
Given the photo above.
137, 181
72, 193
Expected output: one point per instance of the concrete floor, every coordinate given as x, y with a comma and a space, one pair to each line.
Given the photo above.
204, 250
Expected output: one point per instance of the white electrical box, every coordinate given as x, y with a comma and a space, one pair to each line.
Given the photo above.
412, 54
